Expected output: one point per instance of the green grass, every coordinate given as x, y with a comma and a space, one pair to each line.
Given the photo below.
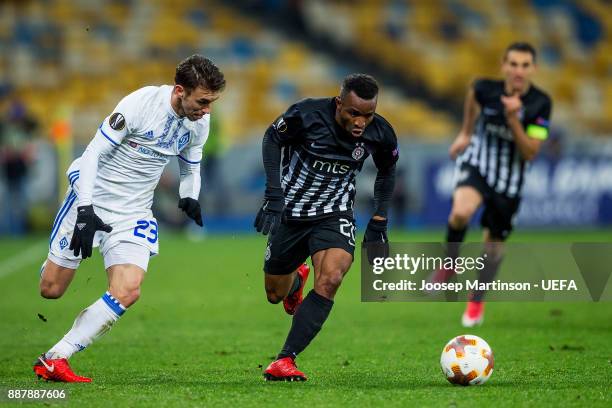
203, 331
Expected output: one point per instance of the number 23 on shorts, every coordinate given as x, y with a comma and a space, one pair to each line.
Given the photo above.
149, 227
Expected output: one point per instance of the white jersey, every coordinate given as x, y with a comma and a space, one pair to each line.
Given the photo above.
134, 144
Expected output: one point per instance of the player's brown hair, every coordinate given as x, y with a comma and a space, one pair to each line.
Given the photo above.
522, 47
197, 71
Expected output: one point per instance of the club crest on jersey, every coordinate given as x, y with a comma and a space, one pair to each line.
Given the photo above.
183, 140
63, 243
358, 152
116, 121
280, 125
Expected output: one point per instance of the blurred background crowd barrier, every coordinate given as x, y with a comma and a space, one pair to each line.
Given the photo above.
64, 64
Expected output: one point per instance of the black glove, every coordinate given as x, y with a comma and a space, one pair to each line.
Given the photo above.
375, 240
192, 209
271, 214
87, 223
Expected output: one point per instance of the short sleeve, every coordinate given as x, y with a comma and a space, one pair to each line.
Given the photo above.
289, 125
125, 118
387, 154
479, 86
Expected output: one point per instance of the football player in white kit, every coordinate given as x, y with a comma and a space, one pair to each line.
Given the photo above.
108, 203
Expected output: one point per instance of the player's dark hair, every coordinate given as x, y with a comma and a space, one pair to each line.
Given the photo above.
364, 86
522, 47
197, 71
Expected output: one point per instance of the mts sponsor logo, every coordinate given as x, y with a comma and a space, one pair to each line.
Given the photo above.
329, 167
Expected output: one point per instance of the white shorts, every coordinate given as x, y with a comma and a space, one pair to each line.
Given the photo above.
133, 240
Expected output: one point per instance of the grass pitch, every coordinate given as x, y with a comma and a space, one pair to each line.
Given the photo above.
203, 331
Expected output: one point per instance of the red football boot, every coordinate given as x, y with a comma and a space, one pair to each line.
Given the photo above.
473, 315
283, 369
292, 302
56, 370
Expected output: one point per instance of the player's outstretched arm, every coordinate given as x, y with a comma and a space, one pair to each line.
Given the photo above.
375, 238
470, 113
109, 136
87, 222
385, 158
287, 128
271, 214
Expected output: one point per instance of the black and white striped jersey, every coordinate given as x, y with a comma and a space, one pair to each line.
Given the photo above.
320, 159
492, 149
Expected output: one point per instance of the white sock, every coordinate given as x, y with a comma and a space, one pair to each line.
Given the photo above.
89, 325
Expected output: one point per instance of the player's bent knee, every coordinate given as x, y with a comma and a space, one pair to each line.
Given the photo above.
48, 293
277, 287
51, 291
274, 297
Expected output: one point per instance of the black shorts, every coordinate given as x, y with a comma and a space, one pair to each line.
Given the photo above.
295, 241
499, 209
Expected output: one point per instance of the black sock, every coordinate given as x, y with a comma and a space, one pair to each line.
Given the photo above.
297, 282
454, 238
307, 322
487, 274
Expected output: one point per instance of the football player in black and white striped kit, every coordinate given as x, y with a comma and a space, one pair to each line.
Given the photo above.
311, 155
504, 124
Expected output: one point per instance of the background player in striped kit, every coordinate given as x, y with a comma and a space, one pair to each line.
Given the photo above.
504, 124
111, 191
321, 145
